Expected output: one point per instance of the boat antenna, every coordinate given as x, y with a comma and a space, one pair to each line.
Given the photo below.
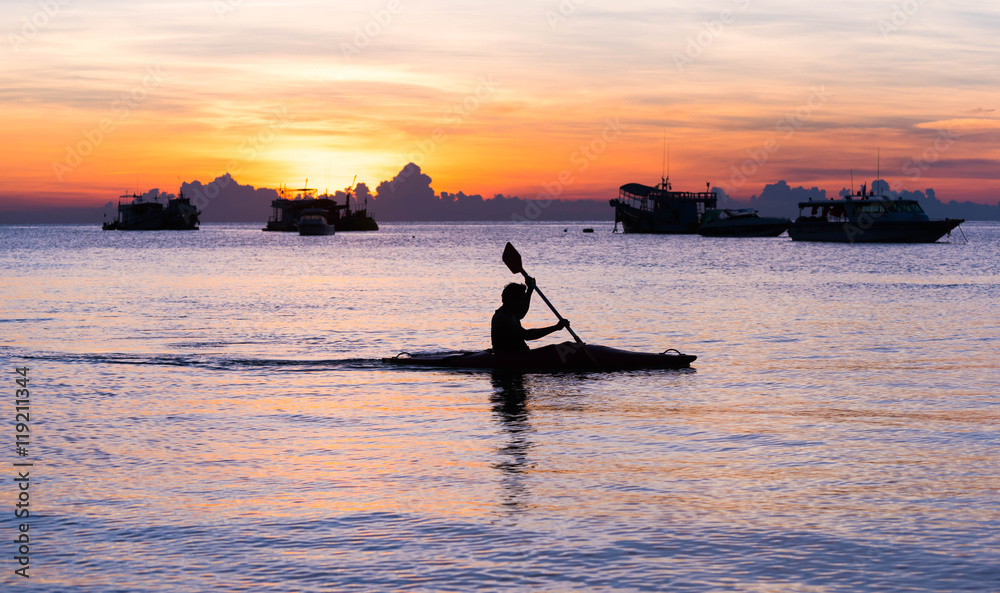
665, 167
667, 180
663, 156
852, 182
878, 168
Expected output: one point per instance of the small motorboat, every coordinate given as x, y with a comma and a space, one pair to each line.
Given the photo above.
313, 222
742, 222
567, 356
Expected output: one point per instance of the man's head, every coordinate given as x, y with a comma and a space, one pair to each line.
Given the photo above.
513, 293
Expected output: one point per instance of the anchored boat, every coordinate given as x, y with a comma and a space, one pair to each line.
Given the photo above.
138, 214
313, 222
868, 219
745, 222
292, 205
660, 209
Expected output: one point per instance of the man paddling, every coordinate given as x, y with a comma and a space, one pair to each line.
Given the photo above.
505, 328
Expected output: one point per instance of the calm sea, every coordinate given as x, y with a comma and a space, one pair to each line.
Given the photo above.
208, 412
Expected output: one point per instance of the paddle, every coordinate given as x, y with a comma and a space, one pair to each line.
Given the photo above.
513, 261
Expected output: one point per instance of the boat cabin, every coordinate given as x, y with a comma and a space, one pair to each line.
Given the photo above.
317, 215
679, 205
849, 209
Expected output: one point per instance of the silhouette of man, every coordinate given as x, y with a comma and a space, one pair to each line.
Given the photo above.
505, 327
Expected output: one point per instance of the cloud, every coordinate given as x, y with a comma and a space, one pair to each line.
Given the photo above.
961, 124
225, 71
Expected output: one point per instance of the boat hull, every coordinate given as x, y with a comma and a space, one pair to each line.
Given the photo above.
356, 221
914, 231
635, 220
567, 356
316, 229
154, 223
760, 227
177, 216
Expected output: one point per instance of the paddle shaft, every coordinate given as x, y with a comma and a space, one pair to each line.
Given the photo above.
558, 316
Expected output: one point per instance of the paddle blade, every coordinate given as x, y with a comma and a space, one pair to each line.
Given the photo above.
513, 259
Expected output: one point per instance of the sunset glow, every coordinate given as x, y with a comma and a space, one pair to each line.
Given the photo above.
103, 97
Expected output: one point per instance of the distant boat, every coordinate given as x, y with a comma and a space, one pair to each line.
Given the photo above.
744, 222
644, 209
868, 219
292, 203
313, 222
138, 214
356, 220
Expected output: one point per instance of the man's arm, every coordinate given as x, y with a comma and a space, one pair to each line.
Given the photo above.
541, 332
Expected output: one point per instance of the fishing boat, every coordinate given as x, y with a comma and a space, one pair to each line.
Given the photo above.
136, 213
568, 356
313, 222
355, 220
744, 222
660, 209
866, 218
292, 204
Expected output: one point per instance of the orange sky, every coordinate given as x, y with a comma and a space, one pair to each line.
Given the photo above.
104, 97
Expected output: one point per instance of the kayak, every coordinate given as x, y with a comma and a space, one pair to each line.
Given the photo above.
568, 356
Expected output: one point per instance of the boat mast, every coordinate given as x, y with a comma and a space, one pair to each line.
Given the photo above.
665, 166
878, 168
663, 156
666, 181
350, 190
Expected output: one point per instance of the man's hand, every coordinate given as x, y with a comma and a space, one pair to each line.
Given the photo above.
563, 324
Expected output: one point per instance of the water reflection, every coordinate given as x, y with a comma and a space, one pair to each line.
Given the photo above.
510, 408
